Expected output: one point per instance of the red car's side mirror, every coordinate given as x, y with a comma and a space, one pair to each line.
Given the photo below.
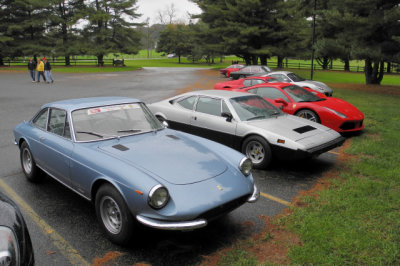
282, 101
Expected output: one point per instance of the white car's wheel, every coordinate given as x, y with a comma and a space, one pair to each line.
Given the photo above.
258, 151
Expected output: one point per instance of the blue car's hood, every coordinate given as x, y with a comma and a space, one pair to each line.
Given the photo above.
169, 155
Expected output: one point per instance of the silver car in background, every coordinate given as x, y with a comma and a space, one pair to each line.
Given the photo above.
290, 77
247, 123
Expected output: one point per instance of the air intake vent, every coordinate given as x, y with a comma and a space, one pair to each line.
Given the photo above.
304, 129
172, 136
120, 147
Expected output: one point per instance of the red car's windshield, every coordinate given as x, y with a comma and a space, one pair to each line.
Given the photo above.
299, 94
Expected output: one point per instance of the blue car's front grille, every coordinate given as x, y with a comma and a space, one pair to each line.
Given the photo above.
223, 209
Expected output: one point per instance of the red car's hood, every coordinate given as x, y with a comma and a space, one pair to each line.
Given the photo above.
341, 106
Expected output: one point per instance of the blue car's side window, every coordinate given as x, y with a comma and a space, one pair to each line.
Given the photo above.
58, 123
40, 120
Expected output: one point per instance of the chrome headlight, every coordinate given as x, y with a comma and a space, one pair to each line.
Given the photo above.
9, 249
246, 166
158, 197
336, 112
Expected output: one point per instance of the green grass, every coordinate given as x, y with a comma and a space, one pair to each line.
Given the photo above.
345, 77
357, 220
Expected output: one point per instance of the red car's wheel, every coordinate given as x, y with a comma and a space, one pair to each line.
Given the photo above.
308, 114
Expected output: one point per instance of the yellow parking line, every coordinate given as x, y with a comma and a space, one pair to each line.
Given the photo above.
284, 202
63, 246
333, 152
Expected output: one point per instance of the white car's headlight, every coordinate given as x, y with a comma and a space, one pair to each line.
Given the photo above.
246, 166
9, 249
158, 197
336, 112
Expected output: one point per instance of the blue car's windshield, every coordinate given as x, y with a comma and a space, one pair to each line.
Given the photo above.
103, 122
253, 108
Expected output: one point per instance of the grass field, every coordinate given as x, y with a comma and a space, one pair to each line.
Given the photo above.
356, 219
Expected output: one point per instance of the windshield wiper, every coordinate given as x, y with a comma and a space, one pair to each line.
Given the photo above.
129, 131
256, 117
275, 113
91, 133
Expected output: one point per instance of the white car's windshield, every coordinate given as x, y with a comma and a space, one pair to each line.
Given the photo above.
295, 78
253, 108
300, 94
103, 122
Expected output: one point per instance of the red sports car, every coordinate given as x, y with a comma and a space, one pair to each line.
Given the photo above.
245, 82
227, 71
292, 99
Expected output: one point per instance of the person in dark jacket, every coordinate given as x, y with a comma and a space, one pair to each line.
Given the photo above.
32, 68
47, 71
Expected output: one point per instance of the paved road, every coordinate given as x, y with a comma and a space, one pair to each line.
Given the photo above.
63, 225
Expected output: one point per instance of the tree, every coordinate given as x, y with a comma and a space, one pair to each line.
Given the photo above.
371, 29
247, 28
64, 15
177, 39
22, 28
110, 29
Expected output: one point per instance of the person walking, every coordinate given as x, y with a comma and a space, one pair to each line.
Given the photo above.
31, 68
47, 70
40, 70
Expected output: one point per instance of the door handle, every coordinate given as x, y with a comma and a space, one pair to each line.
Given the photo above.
42, 138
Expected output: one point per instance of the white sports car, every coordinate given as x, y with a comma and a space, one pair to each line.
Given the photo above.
247, 123
290, 77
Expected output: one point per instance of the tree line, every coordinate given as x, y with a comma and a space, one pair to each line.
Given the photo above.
67, 27
254, 30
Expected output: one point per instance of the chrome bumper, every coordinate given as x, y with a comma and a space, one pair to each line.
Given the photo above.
185, 225
255, 196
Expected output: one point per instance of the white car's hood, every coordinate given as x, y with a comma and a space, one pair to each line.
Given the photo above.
300, 130
315, 85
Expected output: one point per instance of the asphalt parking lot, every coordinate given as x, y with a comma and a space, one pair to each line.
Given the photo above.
63, 225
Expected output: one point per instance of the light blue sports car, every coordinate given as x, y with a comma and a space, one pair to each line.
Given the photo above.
115, 153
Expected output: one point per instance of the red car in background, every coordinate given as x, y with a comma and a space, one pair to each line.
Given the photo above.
332, 112
244, 82
227, 71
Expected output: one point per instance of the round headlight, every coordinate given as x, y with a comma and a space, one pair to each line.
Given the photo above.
158, 197
9, 250
246, 166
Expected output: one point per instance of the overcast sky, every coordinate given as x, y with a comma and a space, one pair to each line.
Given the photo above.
150, 8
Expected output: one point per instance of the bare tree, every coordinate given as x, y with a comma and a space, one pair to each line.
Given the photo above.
168, 15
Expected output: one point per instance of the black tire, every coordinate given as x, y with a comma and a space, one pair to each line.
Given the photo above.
308, 114
28, 164
258, 151
114, 215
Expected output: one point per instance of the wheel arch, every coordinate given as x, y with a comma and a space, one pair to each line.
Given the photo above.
252, 134
100, 182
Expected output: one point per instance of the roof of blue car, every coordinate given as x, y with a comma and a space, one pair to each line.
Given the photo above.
80, 103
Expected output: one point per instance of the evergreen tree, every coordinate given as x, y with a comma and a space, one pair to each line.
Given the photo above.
177, 39
22, 28
110, 29
371, 31
63, 18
